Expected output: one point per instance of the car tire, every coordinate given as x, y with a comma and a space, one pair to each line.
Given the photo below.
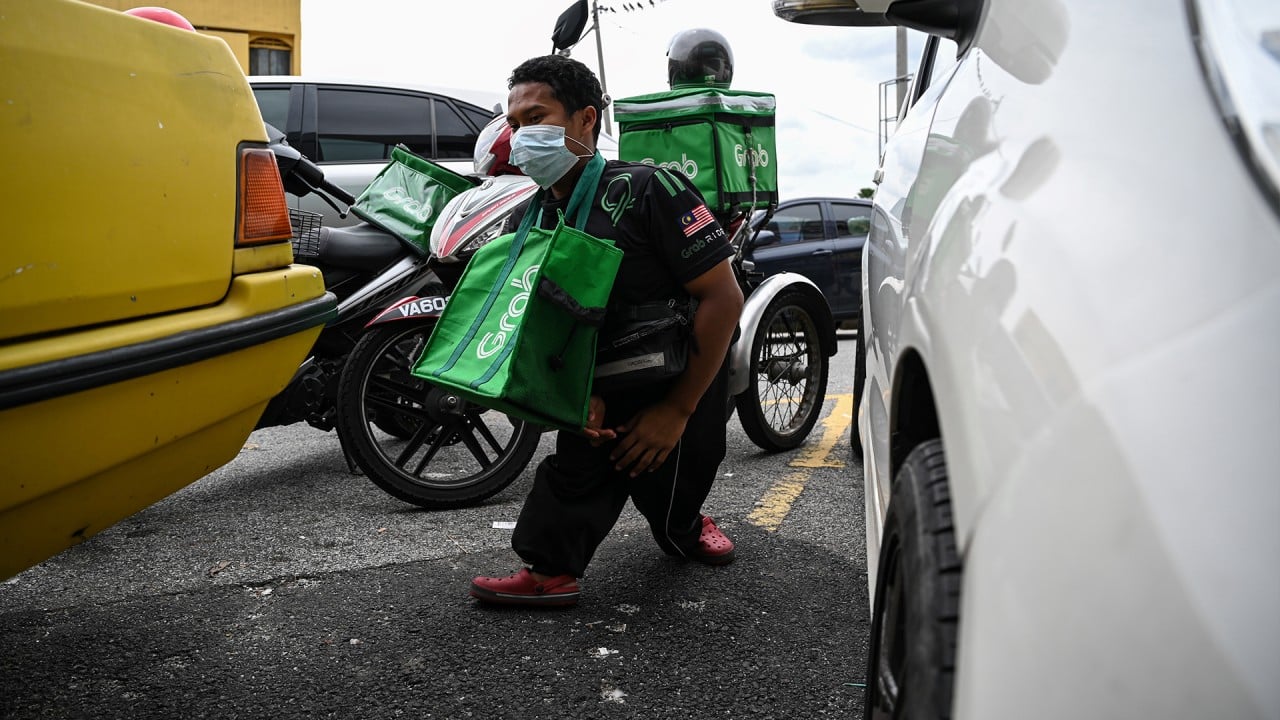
915, 615
785, 389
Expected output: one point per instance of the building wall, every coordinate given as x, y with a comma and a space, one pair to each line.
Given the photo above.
241, 23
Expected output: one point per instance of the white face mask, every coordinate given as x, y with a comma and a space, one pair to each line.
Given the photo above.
539, 151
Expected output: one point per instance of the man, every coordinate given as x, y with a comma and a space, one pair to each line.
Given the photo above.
633, 445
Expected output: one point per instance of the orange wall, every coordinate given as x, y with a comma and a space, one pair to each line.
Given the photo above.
238, 22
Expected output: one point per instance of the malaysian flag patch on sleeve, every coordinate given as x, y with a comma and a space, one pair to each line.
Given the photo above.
696, 219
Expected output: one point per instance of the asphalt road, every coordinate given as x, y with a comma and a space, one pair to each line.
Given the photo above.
283, 586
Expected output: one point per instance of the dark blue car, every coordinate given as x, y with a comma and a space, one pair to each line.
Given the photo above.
820, 238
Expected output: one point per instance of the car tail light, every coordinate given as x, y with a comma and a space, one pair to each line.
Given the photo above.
264, 215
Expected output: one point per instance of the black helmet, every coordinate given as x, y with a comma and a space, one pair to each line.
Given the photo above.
699, 58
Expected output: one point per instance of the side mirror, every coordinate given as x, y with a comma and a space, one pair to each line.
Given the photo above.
765, 238
825, 12
569, 26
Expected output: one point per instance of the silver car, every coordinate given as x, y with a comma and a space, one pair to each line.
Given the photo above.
1071, 294
349, 127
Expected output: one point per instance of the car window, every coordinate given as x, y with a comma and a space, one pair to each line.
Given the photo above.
479, 116
937, 59
798, 223
943, 60
361, 125
852, 220
274, 105
454, 137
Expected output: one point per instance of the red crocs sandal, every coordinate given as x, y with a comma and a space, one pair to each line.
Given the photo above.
714, 547
523, 588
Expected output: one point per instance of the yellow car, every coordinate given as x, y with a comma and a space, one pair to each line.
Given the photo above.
149, 307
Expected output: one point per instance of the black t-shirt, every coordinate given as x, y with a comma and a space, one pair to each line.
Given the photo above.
659, 222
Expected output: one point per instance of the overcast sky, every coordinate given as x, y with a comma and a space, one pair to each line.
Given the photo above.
825, 79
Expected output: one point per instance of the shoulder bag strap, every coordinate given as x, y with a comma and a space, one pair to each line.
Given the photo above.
585, 192
579, 202
533, 211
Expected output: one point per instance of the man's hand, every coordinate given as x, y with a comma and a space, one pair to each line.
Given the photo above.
648, 438
595, 416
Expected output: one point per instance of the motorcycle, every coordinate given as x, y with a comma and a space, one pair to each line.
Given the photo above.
398, 427
434, 450
778, 367
429, 447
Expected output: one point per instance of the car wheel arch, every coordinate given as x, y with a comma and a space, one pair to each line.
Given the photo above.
913, 415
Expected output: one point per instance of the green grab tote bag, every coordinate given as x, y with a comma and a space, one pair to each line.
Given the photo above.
407, 196
519, 332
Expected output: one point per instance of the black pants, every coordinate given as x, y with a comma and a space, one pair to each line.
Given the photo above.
577, 494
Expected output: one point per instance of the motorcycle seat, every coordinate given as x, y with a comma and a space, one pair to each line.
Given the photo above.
358, 247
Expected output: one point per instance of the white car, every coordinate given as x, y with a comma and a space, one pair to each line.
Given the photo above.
1071, 295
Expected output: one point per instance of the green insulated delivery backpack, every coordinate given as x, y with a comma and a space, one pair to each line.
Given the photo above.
718, 138
519, 332
405, 198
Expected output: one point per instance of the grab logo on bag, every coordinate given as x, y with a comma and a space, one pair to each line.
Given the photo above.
492, 342
759, 157
400, 197
684, 165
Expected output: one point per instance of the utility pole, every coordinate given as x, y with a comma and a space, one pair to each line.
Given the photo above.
890, 117
902, 69
595, 16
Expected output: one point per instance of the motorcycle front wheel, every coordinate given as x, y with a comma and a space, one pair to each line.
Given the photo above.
788, 374
419, 442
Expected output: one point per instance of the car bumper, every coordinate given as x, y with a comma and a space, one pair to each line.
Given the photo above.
99, 434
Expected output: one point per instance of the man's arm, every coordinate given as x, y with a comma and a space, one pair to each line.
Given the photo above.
650, 436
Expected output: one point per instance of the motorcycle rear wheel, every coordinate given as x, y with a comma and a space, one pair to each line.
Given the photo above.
454, 454
788, 379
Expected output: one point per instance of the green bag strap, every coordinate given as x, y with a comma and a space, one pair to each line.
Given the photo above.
579, 202
579, 207
585, 191
512, 254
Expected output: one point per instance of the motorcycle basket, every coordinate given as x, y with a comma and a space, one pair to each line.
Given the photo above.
306, 233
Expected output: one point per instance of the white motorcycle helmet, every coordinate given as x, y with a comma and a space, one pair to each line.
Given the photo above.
492, 155
476, 216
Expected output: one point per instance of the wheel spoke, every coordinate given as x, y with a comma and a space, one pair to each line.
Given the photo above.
779, 365
477, 421
397, 357
477, 450
416, 442
789, 323
787, 360
387, 385
441, 439
414, 411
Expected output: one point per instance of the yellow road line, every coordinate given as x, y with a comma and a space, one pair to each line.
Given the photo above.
834, 426
776, 503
